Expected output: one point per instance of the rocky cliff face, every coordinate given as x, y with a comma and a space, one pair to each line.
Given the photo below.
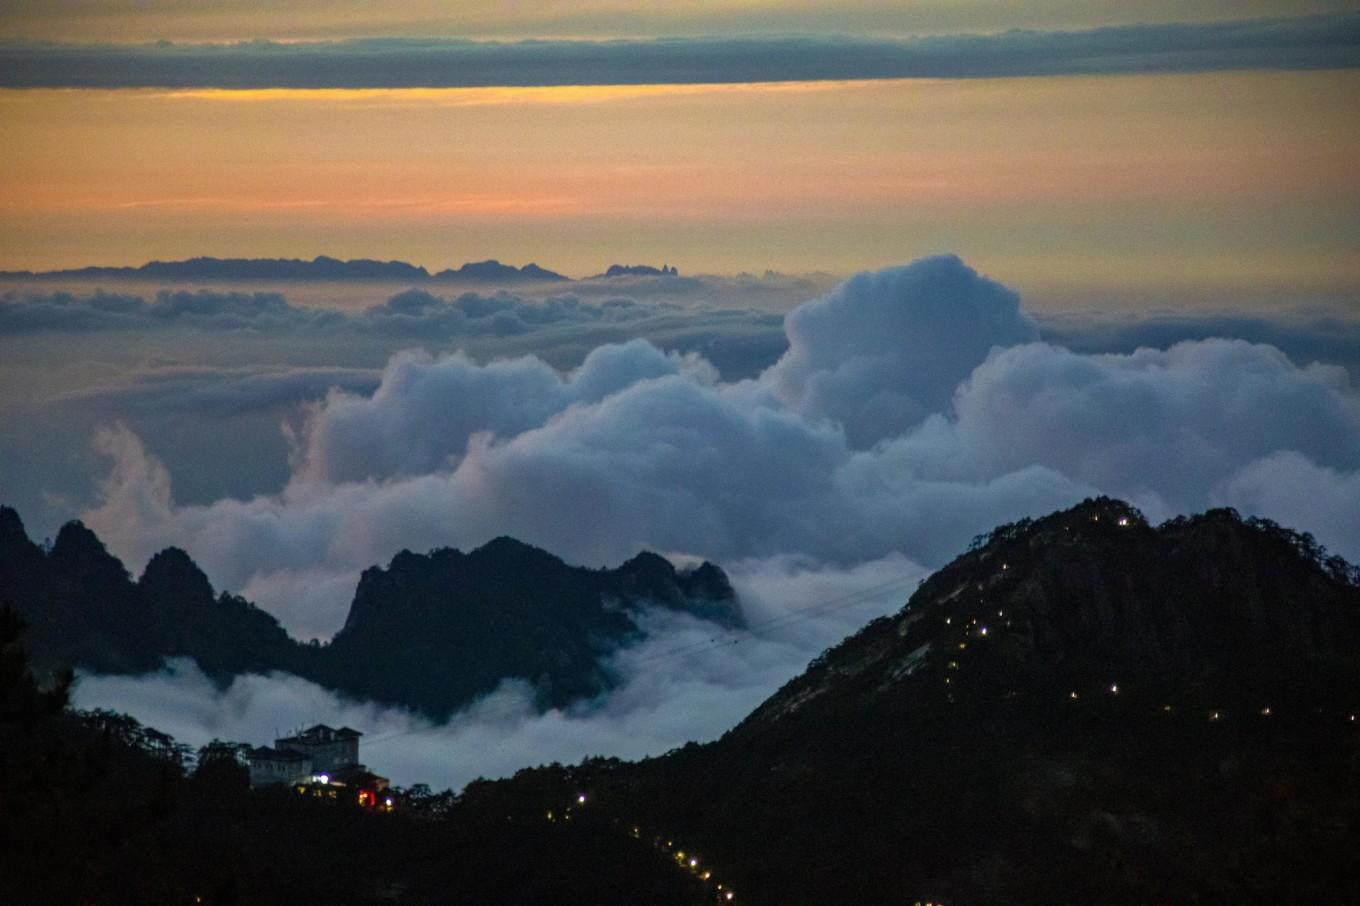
440, 628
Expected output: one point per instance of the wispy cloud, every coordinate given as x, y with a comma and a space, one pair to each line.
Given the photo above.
1309, 42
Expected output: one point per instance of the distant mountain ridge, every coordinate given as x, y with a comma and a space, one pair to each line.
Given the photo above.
638, 270
321, 268
431, 631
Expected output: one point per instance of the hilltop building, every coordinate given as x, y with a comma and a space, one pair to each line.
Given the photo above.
329, 749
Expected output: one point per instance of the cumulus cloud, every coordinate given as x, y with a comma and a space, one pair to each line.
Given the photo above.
1161, 427
883, 350
1316, 42
1297, 492
686, 680
427, 409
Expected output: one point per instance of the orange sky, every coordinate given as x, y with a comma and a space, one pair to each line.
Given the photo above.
1236, 176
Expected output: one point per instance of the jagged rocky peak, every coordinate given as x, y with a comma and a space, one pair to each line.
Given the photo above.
436, 630
79, 552
13, 536
172, 575
528, 576
512, 552
704, 590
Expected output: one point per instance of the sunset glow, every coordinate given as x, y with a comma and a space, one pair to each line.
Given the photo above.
1203, 171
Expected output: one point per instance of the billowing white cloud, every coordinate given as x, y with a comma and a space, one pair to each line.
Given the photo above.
426, 409
1163, 427
883, 350
1297, 492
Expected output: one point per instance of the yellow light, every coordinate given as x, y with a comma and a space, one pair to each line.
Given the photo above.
1265, 712
706, 875
1072, 695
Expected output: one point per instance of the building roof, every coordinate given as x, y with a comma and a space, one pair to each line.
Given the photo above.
264, 753
321, 733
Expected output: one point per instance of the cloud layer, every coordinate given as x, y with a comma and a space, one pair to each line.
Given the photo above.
1311, 42
913, 409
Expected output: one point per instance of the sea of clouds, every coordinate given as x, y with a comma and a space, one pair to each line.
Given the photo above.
904, 412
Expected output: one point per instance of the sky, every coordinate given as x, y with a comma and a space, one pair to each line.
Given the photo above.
1201, 146
942, 265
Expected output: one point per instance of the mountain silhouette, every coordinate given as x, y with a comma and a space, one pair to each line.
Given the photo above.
431, 631
321, 268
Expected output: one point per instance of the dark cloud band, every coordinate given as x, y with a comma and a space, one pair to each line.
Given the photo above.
1311, 42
